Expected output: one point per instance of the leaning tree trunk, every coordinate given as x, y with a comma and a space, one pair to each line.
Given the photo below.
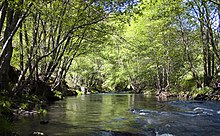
7, 50
14, 19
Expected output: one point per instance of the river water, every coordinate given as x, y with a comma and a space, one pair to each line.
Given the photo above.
125, 115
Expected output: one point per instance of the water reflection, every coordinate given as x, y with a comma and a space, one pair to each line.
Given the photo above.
125, 114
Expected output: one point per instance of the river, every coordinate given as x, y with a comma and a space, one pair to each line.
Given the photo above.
125, 115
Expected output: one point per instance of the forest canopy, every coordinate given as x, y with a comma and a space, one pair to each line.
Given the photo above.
58, 47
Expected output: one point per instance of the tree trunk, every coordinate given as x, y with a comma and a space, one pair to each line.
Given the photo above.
7, 52
13, 22
159, 88
3, 14
21, 51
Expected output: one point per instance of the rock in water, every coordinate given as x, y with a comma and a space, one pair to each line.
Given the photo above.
44, 122
38, 134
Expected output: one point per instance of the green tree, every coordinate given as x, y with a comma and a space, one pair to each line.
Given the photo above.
13, 14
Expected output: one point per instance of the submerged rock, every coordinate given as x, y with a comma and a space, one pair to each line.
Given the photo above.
37, 134
157, 134
44, 122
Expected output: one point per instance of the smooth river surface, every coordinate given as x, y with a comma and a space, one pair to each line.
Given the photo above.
125, 115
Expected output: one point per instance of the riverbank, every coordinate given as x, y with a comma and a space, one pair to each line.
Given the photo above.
205, 93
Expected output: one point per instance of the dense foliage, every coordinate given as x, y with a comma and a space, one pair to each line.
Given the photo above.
170, 46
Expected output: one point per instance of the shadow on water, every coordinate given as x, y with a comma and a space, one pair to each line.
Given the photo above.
125, 114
